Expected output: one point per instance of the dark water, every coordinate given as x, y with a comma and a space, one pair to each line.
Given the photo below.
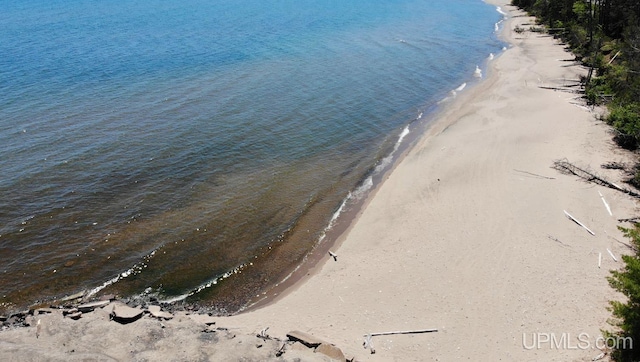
197, 150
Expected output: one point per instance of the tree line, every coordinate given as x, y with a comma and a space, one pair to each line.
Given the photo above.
605, 36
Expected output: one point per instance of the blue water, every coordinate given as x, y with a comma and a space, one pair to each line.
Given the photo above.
197, 150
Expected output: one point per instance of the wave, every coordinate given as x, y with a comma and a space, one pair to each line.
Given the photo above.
478, 72
203, 286
115, 279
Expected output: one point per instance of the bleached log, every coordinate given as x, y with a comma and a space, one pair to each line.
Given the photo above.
605, 203
614, 258
599, 260
614, 58
333, 255
579, 223
368, 342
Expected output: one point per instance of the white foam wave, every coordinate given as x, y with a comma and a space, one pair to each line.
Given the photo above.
419, 116
403, 134
362, 189
461, 87
478, 72
135, 269
499, 9
204, 286
446, 99
491, 56
112, 280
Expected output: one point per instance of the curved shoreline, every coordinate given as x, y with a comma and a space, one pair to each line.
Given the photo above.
357, 295
336, 233
454, 238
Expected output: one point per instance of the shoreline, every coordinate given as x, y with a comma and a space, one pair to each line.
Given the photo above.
450, 117
459, 236
335, 234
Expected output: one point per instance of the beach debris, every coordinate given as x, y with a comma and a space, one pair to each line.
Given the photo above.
605, 203
368, 343
89, 307
368, 337
75, 316
43, 311
203, 319
563, 89
557, 240
73, 297
281, 350
535, 174
66, 312
124, 314
333, 255
263, 334
631, 219
38, 328
578, 222
566, 167
599, 357
613, 166
304, 338
157, 312
612, 256
599, 260
330, 351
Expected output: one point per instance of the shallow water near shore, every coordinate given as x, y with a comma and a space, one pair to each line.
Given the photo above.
197, 151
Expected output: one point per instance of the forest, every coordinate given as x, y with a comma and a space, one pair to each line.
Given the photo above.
604, 35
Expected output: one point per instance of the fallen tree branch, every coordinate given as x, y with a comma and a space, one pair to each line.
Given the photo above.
368, 342
568, 90
631, 219
566, 167
557, 240
534, 174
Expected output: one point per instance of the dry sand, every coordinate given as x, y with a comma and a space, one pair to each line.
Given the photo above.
462, 236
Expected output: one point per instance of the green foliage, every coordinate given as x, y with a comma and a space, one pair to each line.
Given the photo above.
625, 118
627, 281
581, 11
597, 31
635, 181
605, 34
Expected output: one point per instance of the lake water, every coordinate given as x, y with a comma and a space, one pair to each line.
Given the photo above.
195, 151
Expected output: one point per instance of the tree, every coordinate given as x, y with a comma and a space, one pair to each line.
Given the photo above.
627, 281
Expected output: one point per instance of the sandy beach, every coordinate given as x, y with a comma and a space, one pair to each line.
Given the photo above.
466, 235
